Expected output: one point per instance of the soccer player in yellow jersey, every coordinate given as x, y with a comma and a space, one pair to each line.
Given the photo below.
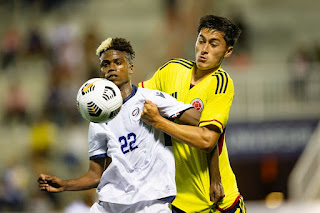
205, 85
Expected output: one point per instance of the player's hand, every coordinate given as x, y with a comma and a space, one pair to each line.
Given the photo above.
216, 191
150, 113
51, 183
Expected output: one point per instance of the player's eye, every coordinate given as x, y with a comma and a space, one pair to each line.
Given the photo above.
104, 64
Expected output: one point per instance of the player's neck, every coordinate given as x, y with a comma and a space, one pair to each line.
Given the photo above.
198, 75
125, 89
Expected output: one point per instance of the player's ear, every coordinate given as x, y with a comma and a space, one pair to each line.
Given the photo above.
131, 68
228, 52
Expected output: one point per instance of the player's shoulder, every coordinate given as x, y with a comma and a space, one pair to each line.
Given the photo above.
222, 75
97, 128
142, 90
150, 93
147, 92
221, 81
221, 71
178, 63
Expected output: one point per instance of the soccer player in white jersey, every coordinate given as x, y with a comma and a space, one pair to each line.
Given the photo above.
130, 165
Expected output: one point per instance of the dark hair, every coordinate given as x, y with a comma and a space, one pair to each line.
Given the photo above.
231, 31
124, 45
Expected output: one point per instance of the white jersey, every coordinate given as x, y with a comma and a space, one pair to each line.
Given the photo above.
142, 167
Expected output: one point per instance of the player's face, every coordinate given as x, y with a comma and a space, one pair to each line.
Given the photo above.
115, 67
211, 49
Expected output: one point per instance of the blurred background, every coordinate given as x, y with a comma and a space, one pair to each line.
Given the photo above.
47, 50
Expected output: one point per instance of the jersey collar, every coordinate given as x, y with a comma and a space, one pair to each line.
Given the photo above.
133, 92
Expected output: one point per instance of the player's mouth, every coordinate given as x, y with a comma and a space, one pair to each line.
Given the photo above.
112, 77
202, 59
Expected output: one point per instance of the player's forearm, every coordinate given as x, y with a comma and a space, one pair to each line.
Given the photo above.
213, 161
198, 137
216, 188
88, 181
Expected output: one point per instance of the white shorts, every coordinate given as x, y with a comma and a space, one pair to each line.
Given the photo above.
153, 206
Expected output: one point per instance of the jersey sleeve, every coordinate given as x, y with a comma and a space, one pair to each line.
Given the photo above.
219, 100
97, 139
168, 106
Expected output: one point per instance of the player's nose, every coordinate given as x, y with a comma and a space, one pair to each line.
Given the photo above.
204, 49
112, 66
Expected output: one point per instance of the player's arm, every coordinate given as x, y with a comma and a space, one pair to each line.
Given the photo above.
89, 180
192, 117
216, 188
203, 138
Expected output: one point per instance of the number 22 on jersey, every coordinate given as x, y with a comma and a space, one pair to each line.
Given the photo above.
128, 143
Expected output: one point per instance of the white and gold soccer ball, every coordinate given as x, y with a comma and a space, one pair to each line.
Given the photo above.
99, 100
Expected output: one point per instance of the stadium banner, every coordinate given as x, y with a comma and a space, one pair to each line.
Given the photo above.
253, 139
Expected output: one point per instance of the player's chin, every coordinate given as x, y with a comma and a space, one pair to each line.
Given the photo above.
202, 66
113, 80
117, 83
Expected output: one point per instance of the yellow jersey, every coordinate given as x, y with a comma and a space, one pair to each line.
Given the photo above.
213, 98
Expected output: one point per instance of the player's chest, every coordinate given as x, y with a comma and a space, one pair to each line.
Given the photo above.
128, 119
197, 95
127, 128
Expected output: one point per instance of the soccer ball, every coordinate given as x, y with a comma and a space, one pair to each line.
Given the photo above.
99, 100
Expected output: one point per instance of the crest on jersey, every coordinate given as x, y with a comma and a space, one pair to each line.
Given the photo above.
135, 114
197, 104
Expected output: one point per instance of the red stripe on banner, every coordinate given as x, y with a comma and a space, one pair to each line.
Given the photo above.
233, 205
142, 84
213, 120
